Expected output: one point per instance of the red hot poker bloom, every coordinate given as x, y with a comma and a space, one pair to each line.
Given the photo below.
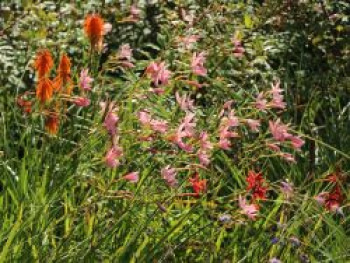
64, 71
93, 27
43, 62
51, 123
44, 90
256, 184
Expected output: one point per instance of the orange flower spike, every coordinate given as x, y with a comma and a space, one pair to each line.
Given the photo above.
43, 62
93, 27
63, 72
51, 123
64, 67
44, 89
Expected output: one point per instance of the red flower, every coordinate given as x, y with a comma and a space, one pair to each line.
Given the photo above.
334, 199
199, 186
256, 183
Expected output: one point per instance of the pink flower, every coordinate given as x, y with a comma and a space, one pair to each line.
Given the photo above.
189, 41
253, 125
85, 80
203, 157
107, 27
197, 64
232, 120
144, 117
238, 50
288, 157
125, 52
185, 130
169, 175
156, 125
321, 198
224, 144
277, 97
185, 102
205, 147
276, 88
110, 123
132, 177
224, 135
260, 102
112, 155
188, 124
82, 102
279, 130
274, 147
227, 106
205, 144
158, 72
159, 126
135, 12
224, 130
297, 143
249, 210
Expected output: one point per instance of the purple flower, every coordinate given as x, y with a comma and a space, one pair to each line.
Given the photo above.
225, 218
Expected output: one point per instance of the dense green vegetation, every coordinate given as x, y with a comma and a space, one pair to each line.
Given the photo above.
174, 131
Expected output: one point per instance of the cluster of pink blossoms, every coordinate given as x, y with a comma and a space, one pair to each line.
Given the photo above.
250, 210
185, 102
113, 155
146, 120
205, 148
185, 130
280, 133
197, 64
110, 123
85, 85
276, 101
226, 125
159, 74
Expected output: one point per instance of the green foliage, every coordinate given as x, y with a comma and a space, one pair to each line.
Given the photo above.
60, 203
